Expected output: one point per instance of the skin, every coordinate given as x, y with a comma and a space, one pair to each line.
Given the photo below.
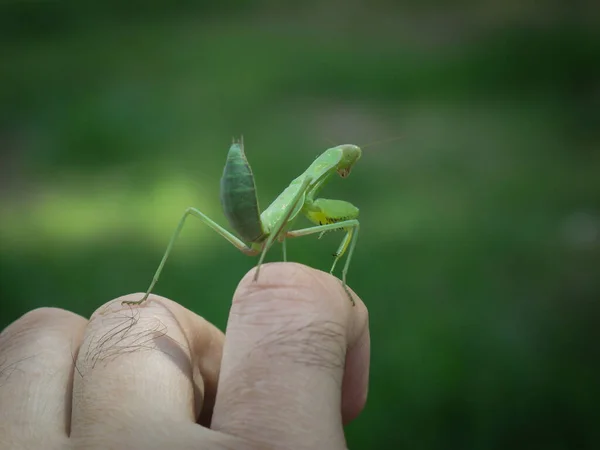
293, 369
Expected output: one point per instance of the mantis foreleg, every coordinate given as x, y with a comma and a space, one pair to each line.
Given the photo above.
342, 248
215, 226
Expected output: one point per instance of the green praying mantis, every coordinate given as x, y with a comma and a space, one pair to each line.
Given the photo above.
261, 230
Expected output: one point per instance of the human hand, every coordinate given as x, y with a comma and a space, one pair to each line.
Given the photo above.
291, 370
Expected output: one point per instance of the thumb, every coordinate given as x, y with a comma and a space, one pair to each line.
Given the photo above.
295, 362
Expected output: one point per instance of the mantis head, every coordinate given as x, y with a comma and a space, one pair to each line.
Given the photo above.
350, 154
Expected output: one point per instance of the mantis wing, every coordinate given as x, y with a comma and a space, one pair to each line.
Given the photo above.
238, 195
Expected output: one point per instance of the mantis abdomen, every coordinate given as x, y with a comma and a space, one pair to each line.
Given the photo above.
238, 196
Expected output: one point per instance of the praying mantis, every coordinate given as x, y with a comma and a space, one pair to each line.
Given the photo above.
240, 205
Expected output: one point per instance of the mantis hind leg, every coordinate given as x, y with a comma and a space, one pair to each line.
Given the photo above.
284, 247
351, 226
204, 218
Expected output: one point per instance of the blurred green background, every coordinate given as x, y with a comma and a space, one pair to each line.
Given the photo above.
479, 253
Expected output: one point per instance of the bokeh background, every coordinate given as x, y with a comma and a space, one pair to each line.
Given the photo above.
479, 253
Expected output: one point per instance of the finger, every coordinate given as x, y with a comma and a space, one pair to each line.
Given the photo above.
295, 361
145, 365
36, 374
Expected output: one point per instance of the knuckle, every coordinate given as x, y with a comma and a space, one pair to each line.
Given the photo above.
44, 315
38, 319
39, 333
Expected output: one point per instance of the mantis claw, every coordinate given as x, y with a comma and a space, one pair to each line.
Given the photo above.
255, 277
134, 302
348, 293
